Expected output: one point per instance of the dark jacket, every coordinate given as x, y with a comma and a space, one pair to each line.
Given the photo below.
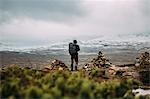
77, 48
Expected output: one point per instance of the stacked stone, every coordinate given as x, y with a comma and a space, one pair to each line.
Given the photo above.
56, 65
144, 68
88, 67
143, 60
99, 61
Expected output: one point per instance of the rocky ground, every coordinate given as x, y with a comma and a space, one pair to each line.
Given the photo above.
106, 70
98, 72
139, 68
37, 60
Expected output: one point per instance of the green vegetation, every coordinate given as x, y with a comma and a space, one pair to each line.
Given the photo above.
24, 83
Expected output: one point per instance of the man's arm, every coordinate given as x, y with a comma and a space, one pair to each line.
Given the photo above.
78, 48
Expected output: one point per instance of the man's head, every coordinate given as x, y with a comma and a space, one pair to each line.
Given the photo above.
75, 41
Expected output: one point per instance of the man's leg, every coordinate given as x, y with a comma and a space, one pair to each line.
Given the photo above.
71, 62
76, 60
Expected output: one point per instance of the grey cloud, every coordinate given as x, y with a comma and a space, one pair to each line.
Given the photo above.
100, 18
145, 7
128, 16
56, 10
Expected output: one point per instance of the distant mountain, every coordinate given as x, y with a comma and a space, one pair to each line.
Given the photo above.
90, 45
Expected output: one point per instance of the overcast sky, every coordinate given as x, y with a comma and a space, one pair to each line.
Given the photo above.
28, 21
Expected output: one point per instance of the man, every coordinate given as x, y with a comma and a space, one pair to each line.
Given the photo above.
73, 51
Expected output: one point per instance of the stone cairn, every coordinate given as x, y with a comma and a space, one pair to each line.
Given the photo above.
56, 65
143, 68
143, 60
99, 61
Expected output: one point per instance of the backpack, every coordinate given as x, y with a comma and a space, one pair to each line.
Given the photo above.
72, 48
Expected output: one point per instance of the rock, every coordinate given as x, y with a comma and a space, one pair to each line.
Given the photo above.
60, 68
145, 77
137, 62
133, 74
47, 68
111, 72
88, 67
119, 72
114, 68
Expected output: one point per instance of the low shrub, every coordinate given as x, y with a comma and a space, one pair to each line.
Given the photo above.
28, 83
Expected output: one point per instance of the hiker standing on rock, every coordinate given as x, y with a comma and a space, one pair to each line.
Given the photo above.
73, 51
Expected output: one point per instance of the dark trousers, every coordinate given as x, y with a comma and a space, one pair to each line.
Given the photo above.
74, 57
